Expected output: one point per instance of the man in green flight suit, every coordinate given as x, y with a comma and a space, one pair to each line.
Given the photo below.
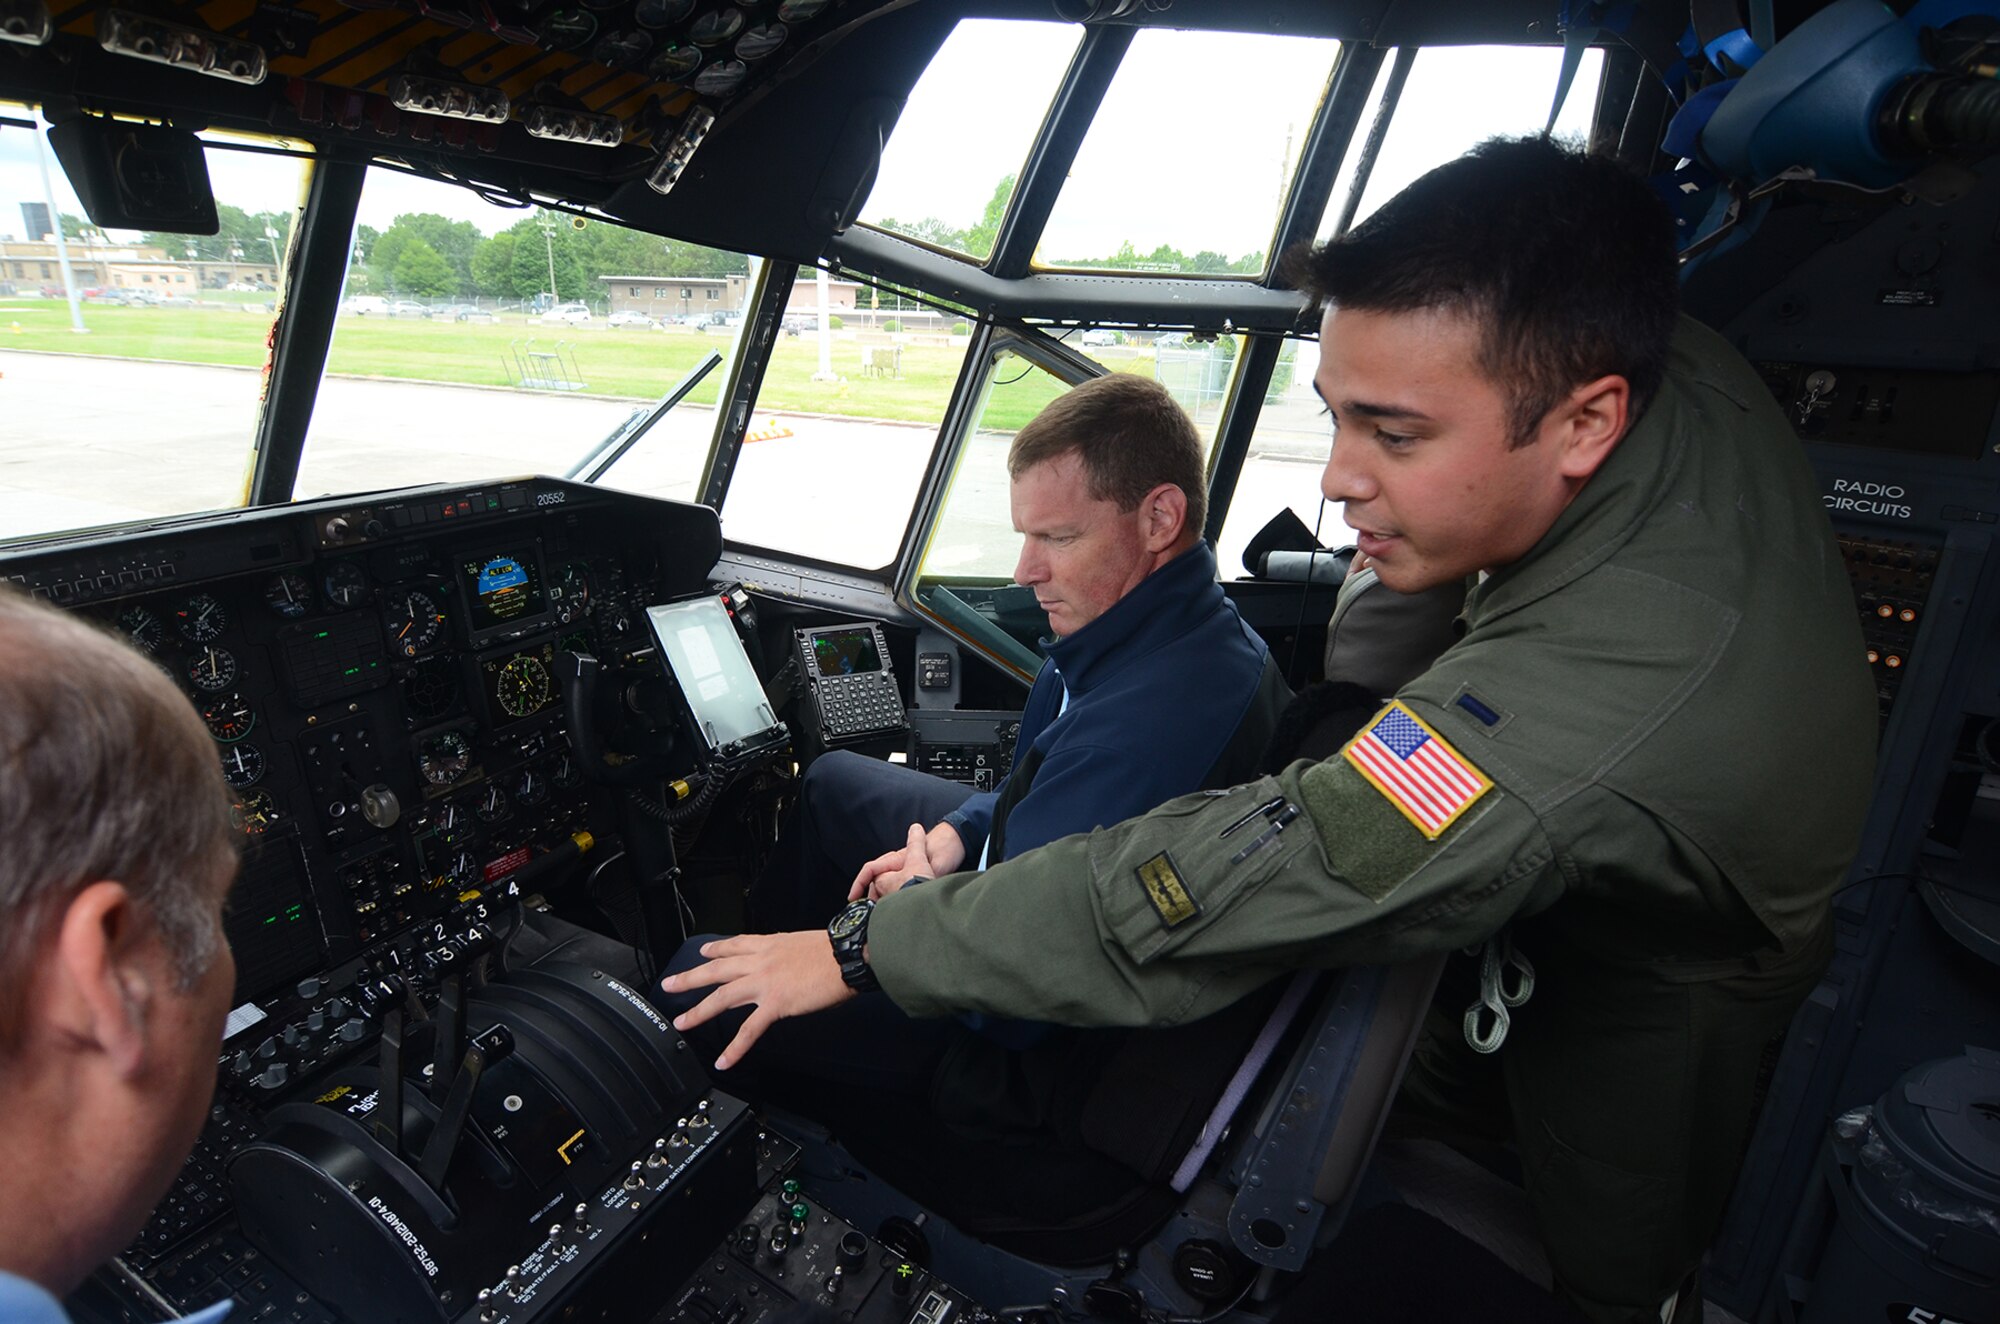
1646, 758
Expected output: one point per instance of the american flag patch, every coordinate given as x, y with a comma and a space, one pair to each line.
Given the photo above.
1427, 779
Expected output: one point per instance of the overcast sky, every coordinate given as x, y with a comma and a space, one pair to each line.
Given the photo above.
1188, 149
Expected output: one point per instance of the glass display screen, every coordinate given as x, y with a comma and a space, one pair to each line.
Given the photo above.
708, 663
845, 652
504, 588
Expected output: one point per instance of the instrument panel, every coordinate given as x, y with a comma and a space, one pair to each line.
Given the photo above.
381, 687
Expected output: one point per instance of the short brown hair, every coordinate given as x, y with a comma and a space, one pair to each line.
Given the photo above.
106, 772
1131, 436
1565, 261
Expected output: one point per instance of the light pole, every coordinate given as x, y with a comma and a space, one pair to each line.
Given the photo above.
548, 224
277, 262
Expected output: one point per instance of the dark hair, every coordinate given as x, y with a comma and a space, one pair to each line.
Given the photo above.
105, 773
1567, 261
1131, 436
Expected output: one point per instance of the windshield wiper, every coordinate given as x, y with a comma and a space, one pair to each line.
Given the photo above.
625, 436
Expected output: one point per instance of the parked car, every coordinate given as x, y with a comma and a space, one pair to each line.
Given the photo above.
630, 317
408, 308
460, 312
1099, 336
361, 305
572, 313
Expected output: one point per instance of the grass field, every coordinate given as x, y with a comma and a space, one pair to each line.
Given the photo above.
632, 363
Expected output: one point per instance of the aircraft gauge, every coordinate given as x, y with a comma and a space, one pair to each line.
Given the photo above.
212, 670
242, 765
443, 758
201, 619
345, 584
522, 686
144, 629
228, 717
413, 620
255, 813
289, 594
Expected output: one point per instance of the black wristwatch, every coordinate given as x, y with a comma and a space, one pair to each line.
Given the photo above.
849, 931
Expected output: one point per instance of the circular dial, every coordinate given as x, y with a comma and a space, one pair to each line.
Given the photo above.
414, 621
760, 41
242, 765
453, 826
662, 13
289, 594
568, 28
719, 80
622, 48
571, 593
200, 619
430, 689
798, 11
716, 27
443, 758
463, 871
345, 584
674, 63
143, 628
531, 787
493, 805
564, 772
228, 717
848, 922
212, 670
523, 686
255, 813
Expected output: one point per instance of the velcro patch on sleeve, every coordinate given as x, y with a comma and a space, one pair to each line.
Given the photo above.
1416, 770
1165, 891
1370, 839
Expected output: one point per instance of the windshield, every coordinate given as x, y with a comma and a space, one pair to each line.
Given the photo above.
130, 362
476, 341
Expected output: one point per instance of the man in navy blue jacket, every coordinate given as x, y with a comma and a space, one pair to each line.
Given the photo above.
1153, 687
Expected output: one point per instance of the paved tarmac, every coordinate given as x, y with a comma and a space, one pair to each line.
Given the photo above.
86, 441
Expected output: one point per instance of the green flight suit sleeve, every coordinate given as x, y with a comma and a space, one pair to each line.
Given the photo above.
1164, 919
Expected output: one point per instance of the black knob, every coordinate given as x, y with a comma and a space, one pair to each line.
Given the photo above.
352, 1030
316, 1022
274, 1076
268, 1049
853, 1248
293, 1036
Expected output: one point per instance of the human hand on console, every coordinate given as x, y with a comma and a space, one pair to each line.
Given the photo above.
782, 974
925, 855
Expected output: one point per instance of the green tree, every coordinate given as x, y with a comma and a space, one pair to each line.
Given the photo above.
453, 241
930, 230
493, 266
979, 240
422, 271
536, 246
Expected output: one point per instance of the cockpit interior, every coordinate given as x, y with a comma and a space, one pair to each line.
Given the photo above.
533, 432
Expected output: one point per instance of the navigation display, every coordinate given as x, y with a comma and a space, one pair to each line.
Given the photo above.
845, 652
504, 588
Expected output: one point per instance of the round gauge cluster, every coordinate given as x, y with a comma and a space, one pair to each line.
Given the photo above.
414, 623
345, 584
444, 758
524, 686
212, 673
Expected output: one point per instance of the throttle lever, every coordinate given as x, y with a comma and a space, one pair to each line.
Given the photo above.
496, 1044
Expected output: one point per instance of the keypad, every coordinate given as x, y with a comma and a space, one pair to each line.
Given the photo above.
851, 705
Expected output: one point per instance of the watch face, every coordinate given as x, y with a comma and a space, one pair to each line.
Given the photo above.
850, 921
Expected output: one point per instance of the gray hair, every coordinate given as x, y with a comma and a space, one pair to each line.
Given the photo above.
106, 772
